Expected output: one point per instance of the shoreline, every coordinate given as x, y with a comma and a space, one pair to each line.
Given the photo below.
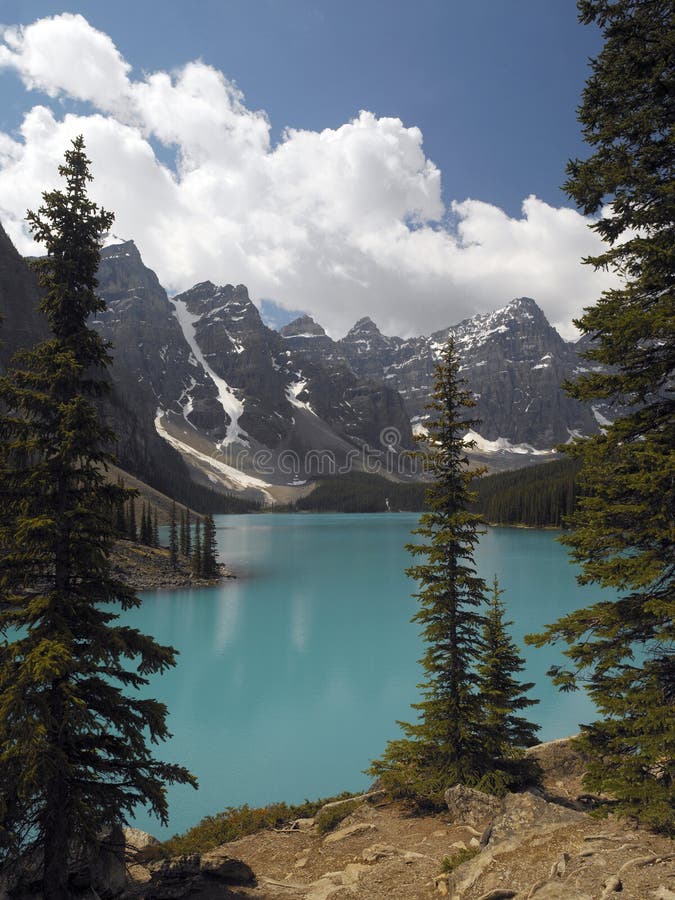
149, 569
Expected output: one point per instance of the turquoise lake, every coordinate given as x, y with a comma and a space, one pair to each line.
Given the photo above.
291, 678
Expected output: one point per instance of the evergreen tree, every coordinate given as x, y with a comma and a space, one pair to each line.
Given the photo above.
155, 529
622, 531
145, 535
181, 534
505, 732
120, 517
188, 534
197, 551
132, 531
209, 548
446, 745
74, 755
173, 537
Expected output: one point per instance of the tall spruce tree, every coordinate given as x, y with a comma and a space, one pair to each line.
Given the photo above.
120, 517
505, 731
209, 548
622, 531
182, 542
155, 529
197, 559
446, 745
188, 533
132, 530
74, 756
173, 537
145, 532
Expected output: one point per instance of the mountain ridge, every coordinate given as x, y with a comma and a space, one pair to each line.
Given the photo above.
202, 386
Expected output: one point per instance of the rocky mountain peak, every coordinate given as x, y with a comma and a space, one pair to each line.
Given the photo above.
225, 301
126, 250
523, 308
365, 327
304, 326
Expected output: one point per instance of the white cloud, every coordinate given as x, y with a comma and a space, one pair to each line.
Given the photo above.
65, 55
343, 222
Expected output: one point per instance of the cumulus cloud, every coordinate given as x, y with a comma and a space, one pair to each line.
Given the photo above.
344, 222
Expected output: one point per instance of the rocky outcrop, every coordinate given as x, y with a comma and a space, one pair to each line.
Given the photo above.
468, 806
97, 870
208, 875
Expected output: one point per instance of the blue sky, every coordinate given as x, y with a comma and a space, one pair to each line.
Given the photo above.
492, 87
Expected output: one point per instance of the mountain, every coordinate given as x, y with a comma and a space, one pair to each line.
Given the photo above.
248, 408
513, 361
206, 399
22, 325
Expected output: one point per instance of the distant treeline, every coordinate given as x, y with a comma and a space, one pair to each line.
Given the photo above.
360, 492
539, 496
205, 501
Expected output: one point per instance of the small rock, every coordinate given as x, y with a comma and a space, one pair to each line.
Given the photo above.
349, 831
558, 868
301, 863
376, 852
303, 825
442, 885
611, 886
474, 842
352, 873
498, 894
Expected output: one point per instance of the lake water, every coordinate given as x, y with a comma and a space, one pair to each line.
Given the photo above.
291, 678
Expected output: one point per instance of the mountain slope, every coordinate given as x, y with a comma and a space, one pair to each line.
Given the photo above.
22, 324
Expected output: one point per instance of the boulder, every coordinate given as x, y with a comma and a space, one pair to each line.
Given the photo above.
468, 806
524, 811
218, 865
138, 840
185, 876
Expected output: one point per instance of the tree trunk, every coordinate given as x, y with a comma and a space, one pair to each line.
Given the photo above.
55, 836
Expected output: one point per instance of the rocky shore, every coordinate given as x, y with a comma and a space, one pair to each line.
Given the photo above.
542, 843
538, 844
149, 569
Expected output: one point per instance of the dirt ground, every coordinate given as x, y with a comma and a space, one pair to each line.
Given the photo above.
380, 851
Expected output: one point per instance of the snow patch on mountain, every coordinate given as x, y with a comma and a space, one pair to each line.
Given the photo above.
232, 405
293, 391
232, 478
502, 445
